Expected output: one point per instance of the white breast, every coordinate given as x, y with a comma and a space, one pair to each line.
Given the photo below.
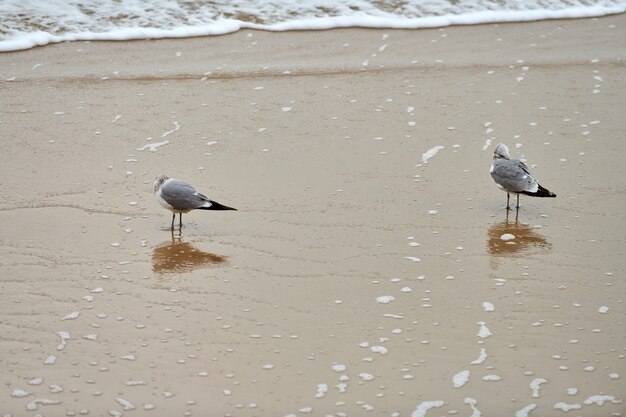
162, 202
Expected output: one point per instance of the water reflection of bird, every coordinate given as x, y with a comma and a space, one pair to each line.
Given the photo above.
509, 238
179, 256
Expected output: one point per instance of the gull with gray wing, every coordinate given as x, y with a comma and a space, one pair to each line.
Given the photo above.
180, 197
513, 176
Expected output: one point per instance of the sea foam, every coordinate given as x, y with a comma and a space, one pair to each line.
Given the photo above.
120, 20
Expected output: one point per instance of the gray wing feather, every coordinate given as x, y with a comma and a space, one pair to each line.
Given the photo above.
182, 196
513, 175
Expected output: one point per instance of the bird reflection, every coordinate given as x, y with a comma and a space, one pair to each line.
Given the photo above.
525, 238
179, 256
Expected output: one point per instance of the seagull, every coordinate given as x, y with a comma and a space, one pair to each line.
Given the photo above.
513, 176
180, 197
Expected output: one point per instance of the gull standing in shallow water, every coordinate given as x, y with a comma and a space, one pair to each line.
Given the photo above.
513, 176
180, 197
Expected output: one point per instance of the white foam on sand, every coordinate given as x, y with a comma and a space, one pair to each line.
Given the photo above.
601, 399
117, 20
153, 147
483, 332
481, 357
472, 403
339, 367
126, 405
534, 386
19, 393
169, 132
461, 378
65, 336
430, 153
71, 316
321, 390
567, 407
422, 408
525, 411
385, 299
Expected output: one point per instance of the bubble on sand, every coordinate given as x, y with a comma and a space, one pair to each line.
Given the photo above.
601, 399
566, 407
366, 376
534, 386
461, 378
379, 349
472, 403
55, 389
423, 408
339, 367
430, 153
488, 306
321, 390
126, 405
135, 383
491, 378
19, 393
65, 336
481, 357
483, 332
525, 411
385, 299
603, 310
33, 405
153, 147
507, 236
71, 316
50, 360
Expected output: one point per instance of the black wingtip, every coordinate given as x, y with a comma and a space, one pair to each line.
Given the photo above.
217, 206
541, 192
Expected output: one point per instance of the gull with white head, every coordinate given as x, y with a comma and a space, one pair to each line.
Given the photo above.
180, 197
513, 176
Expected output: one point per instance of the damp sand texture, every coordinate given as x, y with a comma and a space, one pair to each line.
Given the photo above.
371, 268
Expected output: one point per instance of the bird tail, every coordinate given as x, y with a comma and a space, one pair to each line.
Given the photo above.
217, 206
541, 192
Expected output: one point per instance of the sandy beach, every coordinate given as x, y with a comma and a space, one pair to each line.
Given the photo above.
364, 272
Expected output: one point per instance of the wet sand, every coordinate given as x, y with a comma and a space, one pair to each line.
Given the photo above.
362, 275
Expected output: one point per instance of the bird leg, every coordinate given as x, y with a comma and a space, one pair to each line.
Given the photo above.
508, 196
173, 218
517, 205
180, 221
